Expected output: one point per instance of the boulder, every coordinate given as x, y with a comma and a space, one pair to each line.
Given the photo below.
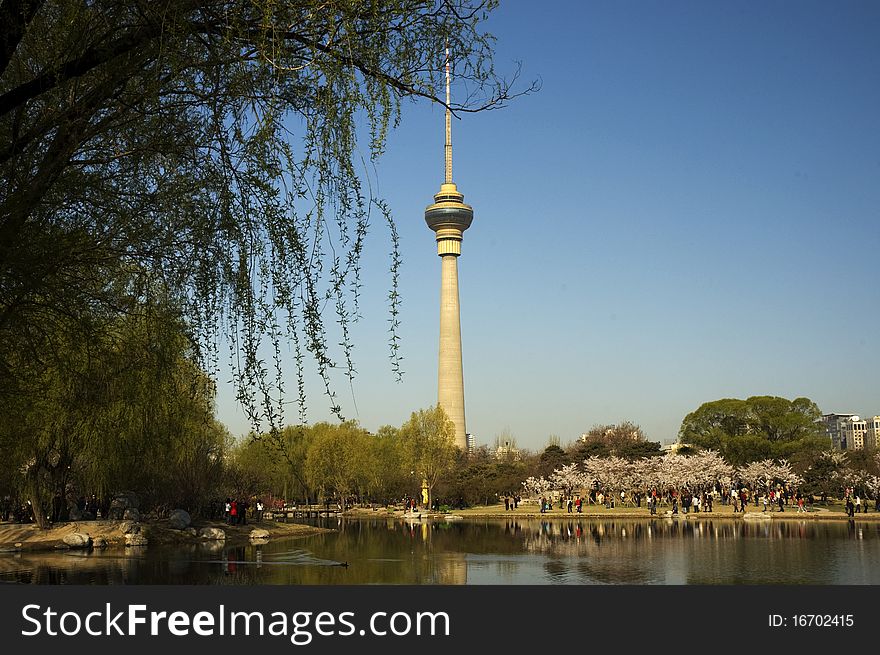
259, 533
179, 519
77, 540
121, 502
99, 542
192, 532
135, 539
132, 514
212, 534
130, 527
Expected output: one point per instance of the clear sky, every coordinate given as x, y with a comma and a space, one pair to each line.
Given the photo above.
688, 210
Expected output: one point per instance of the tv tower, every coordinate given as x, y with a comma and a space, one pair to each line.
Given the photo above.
449, 217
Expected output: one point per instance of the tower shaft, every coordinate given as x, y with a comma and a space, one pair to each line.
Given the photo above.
450, 373
449, 217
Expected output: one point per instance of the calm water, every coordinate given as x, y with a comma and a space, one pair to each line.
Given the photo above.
495, 552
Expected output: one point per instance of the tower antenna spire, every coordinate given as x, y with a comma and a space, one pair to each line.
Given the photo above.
448, 149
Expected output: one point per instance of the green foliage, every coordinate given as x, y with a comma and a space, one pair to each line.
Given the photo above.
260, 465
212, 148
639, 449
123, 409
625, 440
824, 477
427, 442
341, 459
482, 482
177, 174
552, 458
581, 450
344, 460
392, 477
760, 427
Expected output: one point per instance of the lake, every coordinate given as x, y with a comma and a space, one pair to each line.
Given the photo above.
494, 552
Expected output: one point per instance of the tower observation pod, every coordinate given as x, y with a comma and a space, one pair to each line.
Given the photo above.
449, 217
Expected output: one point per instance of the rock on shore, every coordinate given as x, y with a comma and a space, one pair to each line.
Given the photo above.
77, 540
212, 534
179, 519
135, 539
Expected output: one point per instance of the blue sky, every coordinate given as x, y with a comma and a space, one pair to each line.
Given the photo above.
688, 209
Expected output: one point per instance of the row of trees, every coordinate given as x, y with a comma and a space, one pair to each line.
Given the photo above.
831, 474
671, 471
760, 442
345, 461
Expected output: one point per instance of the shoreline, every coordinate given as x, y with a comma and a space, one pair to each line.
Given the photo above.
634, 513
26, 537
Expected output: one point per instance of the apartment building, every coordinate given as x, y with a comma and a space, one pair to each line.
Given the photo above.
849, 431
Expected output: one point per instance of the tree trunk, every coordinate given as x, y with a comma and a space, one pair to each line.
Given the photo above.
33, 495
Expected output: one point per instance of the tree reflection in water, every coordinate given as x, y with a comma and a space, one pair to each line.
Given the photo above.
504, 551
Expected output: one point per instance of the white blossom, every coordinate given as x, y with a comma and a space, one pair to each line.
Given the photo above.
537, 486
568, 478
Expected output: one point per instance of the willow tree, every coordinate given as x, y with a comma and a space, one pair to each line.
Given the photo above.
212, 147
427, 446
341, 459
125, 408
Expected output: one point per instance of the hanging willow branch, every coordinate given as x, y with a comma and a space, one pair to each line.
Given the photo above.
209, 146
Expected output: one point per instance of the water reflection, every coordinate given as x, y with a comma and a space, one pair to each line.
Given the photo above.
508, 551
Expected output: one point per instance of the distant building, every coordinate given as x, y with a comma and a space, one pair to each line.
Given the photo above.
471, 442
846, 431
507, 450
855, 429
635, 434
873, 432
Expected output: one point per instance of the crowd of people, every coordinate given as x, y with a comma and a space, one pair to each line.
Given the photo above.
687, 501
235, 511
854, 504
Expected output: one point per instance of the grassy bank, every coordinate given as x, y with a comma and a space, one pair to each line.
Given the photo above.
831, 511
